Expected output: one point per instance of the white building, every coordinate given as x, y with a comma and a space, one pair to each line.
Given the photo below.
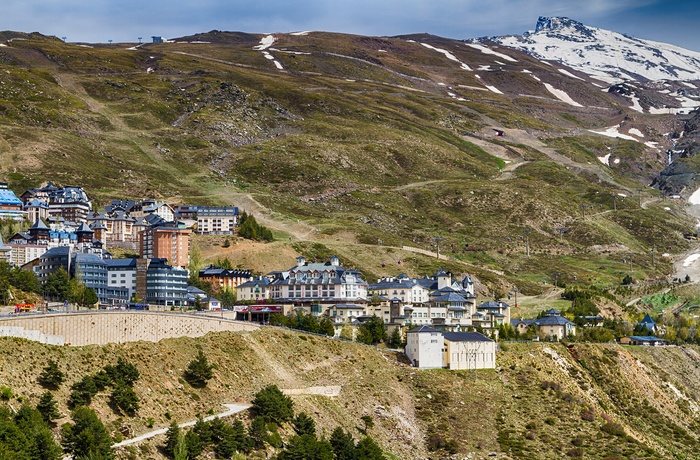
428, 348
121, 273
468, 350
424, 347
318, 285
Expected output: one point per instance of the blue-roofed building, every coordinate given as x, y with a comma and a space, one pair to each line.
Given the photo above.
217, 220
430, 348
91, 270
648, 323
551, 326
438, 300
10, 205
646, 341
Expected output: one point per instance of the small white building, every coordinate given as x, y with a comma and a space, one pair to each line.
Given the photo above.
428, 348
468, 350
424, 347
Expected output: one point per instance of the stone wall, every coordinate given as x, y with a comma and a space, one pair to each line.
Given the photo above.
100, 328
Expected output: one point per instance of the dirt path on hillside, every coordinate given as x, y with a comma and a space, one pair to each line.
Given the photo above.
521, 136
232, 409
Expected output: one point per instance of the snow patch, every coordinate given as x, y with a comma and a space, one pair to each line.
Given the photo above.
690, 260
265, 43
695, 197
605, 160
306, 32
613, 132
616, 161
569, 74
448, 55
636, 132
486, 50
485, 68
561, 95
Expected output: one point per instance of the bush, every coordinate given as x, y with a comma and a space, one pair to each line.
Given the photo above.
614, 429
6, 393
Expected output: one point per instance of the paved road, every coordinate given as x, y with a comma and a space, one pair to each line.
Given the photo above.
232, 409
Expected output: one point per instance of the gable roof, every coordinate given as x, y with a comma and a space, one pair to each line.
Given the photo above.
421, 329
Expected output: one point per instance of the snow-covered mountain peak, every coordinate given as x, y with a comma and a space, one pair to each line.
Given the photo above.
604, 54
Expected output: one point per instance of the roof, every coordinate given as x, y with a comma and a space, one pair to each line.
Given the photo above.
39, 225
450, 297
647, 320
121, 263
421, 329
526, 322
348, 306
466, 337
552, 321
491, 304
646, 338
8, 197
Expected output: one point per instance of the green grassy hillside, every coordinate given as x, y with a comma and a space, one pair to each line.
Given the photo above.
355, 139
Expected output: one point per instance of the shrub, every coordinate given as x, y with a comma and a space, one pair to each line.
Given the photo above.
613, 428
6, 393
587, 415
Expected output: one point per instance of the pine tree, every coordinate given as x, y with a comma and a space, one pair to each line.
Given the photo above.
51, 377
368, 449
172, 437
47, 407
86, 437
199, 371
273, 405
303, 424
343, 445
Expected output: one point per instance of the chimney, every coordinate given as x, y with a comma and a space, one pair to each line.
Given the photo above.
301, 260
334, 261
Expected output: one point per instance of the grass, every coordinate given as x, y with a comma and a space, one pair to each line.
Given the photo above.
384, 156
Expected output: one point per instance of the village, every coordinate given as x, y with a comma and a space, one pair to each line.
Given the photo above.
437, 316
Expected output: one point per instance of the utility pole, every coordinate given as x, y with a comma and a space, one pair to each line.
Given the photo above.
561, 231
527, 241
437, 240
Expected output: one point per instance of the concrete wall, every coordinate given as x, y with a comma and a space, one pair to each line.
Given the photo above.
100, 328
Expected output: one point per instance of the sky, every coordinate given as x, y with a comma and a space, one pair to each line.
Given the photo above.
99, 21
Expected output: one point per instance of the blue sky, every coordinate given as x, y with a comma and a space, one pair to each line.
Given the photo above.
95, 21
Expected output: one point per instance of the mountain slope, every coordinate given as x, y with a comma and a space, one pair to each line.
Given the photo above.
353, 140
608, 55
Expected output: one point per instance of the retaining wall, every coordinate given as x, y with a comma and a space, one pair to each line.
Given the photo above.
100, 328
